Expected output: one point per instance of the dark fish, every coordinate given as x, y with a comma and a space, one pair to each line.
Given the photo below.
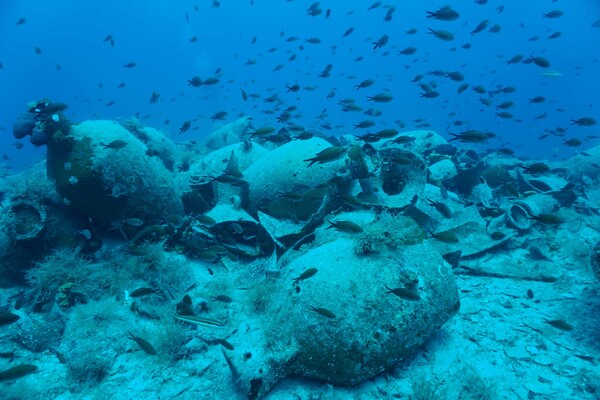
222, 298
219, 115
515, 59
210, 81
225, 344
404, 293
37, 50
480, 27
329, 154
536, 168
305, 275
539, 61
195, 81
129, 65
495, 28
442, 208
364, 124
115, 144
8, 318
348, 32
547, 219
345, 226
584, 121
185, 127
244, 94
573, 142
382, 41
445, 236
442, 34
154, 97
364, 84
314, 9
293, 88
144, 291
323, 311
374, 5
471, 136
381, 98
445, 13
559, 324
553, 14
144, 345
537, 99
408, 51
456, 76
18, 371
21, 21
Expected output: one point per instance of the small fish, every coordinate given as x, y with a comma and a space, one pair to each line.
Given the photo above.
559, 324
115, 144
364, 84
584, 121
405, 293
445, 13
133, 221
144, 345
185, 127
144, 291
539, 61
445, 236
327, 155
382, 41
208, 256
497, 235
154, 97
547, 219
345, 226
553, 14
480, 27
222, 298
381, 98
219, 115
305, 275
21, 21
129, 65
8, 318
18, 371
323, 311
573, 142
225, 344
442, 34
442, 208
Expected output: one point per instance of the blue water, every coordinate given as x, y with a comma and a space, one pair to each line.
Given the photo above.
156, 36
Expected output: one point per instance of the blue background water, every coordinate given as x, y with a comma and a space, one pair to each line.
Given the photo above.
156, 36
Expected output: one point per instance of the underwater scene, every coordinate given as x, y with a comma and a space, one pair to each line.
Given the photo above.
300, 200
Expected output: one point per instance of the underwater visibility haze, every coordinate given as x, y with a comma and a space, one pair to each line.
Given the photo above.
291, 199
